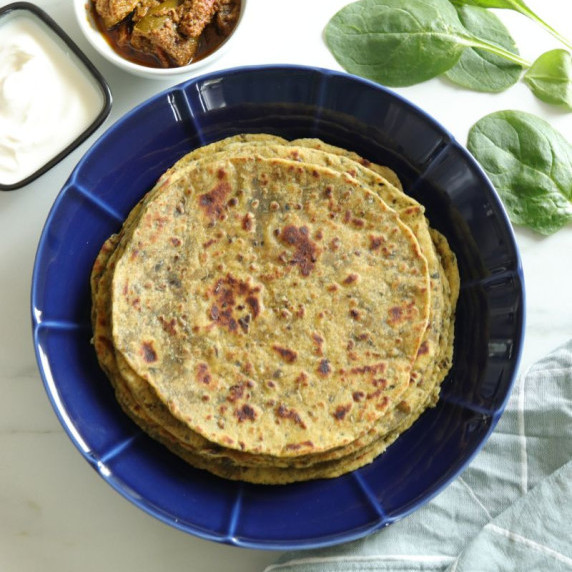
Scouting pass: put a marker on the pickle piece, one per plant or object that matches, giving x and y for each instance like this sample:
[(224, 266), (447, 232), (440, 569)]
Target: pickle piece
[(156, 33), (156, 17)]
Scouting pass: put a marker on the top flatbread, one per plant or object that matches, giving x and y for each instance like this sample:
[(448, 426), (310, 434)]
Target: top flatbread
[(241, 312)]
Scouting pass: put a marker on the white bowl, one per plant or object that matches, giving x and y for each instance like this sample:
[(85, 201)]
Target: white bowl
[(98, 41)]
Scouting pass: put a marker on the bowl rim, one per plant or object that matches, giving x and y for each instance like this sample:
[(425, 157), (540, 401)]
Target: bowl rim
[(97, 41), (99, 81)]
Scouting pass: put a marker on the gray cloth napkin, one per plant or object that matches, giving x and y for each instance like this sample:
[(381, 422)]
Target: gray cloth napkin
[(510, 510)]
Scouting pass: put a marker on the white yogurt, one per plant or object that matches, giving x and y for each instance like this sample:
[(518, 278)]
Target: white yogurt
[(46, 101)]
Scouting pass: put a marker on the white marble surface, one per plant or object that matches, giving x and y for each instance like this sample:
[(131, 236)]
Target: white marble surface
[(56, 513)]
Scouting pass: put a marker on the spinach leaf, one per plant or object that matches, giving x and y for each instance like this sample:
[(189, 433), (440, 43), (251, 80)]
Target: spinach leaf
[(550, 78), (481, 70), (400, 43), (394, 43), (517, 6), (530, 165)]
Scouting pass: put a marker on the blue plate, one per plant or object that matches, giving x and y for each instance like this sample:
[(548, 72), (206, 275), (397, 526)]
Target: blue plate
[(290, 101)]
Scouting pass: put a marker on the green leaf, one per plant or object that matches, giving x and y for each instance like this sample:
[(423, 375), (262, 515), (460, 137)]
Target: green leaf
[(396, 43), (550, 78), (517, 6), (530, 165), (482, 70), (400, 43)]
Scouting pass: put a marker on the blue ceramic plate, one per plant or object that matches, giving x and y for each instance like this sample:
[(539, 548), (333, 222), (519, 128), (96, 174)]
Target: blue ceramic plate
[(293, 102)]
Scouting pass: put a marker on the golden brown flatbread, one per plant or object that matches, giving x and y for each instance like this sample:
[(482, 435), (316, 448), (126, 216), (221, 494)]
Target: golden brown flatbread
[(268, 316)]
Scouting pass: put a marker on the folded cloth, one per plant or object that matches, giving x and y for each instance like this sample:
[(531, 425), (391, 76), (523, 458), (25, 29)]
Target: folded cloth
[(511, 509)]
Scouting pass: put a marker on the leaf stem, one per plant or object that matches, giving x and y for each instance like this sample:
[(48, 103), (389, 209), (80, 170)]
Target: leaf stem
[(526, 11), (499, 51)]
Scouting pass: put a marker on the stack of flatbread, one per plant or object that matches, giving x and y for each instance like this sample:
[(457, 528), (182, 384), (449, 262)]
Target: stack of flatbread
[(275, 311)]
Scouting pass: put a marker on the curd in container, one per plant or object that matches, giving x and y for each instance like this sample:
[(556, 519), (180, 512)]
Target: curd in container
[(47, 101)]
